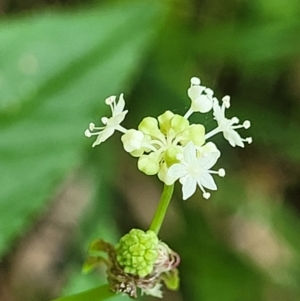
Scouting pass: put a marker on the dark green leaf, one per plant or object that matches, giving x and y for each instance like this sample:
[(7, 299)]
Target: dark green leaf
[(73, 61)]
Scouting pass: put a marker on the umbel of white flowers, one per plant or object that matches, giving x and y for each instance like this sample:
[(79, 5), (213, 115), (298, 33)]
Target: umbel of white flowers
[(170, 146)]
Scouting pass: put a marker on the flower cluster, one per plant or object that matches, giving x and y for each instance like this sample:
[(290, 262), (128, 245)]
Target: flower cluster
[(170, 146)]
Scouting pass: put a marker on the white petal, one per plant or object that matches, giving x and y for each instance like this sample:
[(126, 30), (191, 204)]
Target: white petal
[(209, 92), (195, 91), (207, 181), (202, 104), (208, 160), (210, 147), (120, 105), (234, 138), (188, 187), (177, 171), (218, 113), (104, 135), (117, 119), (189, 153)]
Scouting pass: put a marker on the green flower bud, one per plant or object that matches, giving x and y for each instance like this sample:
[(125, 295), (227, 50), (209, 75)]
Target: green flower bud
[(149, 164), (149, 126), (163, 174), (137, 252), (179, 124), (172, 124), (165, 121), (138, 152), (195, 133)]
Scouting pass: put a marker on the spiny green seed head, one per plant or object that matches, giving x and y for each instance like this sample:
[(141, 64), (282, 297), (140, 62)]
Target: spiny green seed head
[(137, 252)]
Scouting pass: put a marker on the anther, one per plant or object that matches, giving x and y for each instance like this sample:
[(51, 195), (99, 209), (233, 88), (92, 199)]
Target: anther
[(221, 172), (87, 133), (234, 120), (92, 126), (195, 81), (206, 195), (104, 120), (110, 100), (247, 124), (249, 140), (226, 101)]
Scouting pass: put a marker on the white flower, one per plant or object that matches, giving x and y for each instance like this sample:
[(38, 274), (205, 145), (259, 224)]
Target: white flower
[(201, 97), (132, 140), (228, 126), (193, 170), (110, 124)]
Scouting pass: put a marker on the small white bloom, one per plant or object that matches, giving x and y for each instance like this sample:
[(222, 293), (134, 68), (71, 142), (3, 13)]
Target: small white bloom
[(228, 126), (201, 97), (132, 140), (110, 124), (193, 171)]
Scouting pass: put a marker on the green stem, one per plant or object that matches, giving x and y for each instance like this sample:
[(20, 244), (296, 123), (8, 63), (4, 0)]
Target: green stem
[(162, 208)]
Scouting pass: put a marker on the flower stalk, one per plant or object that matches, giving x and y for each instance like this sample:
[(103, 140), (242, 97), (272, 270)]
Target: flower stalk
[(162, 208)]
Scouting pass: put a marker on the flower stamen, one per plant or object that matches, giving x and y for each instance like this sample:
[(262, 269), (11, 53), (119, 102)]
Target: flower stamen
[(110, 124)]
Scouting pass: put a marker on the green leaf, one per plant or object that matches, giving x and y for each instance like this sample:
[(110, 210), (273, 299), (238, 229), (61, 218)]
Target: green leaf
[(171, 279), (100, 293), (73, 61), (91, 263)]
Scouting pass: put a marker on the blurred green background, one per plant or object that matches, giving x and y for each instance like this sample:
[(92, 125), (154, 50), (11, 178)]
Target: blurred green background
[(59, 60)]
